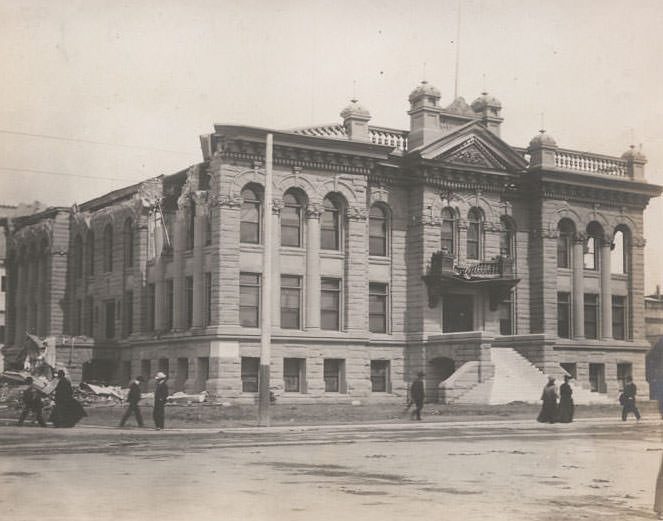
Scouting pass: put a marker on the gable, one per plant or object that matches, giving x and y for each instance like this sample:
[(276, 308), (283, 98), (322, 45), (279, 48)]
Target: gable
[(473, 146)]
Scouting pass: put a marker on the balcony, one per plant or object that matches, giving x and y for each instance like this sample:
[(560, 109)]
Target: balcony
[(444, 276)]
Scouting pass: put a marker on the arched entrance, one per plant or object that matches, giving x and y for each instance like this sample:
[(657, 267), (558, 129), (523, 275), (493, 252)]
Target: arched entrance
[(441, 368)]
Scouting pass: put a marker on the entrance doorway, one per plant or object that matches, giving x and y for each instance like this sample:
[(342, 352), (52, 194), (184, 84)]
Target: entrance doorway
[(597, 378), (440, 369), (457, 314)]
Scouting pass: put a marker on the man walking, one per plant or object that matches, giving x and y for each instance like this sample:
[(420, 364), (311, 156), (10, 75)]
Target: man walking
[(133, 398), (160, 397), (31, 403), (417, 395), (628, 395)]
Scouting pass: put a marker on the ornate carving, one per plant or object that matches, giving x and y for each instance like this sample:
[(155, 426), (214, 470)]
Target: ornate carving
[(313, 211), (229, 201), (469, 156), (580, 237), (638, 241), (277, 206), (357, 213)]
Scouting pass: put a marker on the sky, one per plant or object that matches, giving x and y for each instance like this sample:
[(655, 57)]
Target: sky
[(128, 87)]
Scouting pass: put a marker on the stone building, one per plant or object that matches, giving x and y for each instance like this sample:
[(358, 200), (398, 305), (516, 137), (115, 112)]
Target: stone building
[(439, 248)]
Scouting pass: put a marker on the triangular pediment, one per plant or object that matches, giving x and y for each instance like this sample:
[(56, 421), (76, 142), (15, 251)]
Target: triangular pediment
[(473, 146)]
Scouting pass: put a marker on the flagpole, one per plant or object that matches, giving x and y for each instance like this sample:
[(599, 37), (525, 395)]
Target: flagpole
[(266, 302)]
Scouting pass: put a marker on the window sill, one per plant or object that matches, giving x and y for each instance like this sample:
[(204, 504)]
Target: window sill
[(380, 260), (246, 247), (332, 254)]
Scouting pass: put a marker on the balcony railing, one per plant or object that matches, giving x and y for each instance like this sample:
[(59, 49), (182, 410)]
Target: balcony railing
[(590, 163), (442, 264)]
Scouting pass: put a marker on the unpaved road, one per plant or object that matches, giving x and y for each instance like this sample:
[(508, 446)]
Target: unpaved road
[(589, 470)]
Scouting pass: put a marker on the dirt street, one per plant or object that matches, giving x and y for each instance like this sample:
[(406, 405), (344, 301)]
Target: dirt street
[(515, 470)]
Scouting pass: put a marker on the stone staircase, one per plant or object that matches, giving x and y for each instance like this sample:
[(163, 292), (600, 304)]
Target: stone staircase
[(518, 380)]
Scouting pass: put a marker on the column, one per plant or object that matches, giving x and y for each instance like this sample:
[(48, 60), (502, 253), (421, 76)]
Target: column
[(141, 247), (202, 213), (356, 269), (578, 296), (276, 264), (19, 299), (225, 293), (312, 300), (179, 298), (606, 290)]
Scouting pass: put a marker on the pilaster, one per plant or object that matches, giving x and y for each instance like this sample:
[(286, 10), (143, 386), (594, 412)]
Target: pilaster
[(312, 299), (578, 297)]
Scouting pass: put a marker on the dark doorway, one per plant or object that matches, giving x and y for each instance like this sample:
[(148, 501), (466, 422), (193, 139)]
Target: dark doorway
[(440, 369), (458, 313)]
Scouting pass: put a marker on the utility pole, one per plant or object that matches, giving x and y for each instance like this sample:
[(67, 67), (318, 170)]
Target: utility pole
[(266, 302)]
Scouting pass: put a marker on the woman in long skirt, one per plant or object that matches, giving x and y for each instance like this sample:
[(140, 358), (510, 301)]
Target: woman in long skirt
[(565, 401), (68, 412), (548, 412)]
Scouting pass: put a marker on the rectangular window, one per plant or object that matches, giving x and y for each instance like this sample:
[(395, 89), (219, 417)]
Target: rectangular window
[(624, 370), (3, 288), (182, 373), (291, 289), (506, 313), (249, 299), (146, 370), (293, 375), (2, 334), (191, 226), (128, 313), (334, 375), (202, 373), (164, 365), (208, 299), (188, 296), (250, 367), (618, 317), (89, 326), (564, 315), (563, 250), (473, 231), (151, 307), (597, 378), (379, 376), (110, 318), (571, 368), (447, 236), (330, 304), (378, 296), (208, 229), (590, 257), (170, 304), (591, 315)]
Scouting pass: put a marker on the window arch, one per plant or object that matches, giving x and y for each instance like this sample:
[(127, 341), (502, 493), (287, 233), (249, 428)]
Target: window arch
[(566, 230), (620, 254), (78, 256), (507, 237), (128, 243), (474, 218), (291, 220), (330, 224), (378, 228), (251, 213), (448, 231), (592, 246), (108, 248), (89, 246)]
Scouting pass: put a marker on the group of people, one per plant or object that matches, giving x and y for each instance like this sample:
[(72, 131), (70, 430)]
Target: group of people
[(551, 412), (68, 411)]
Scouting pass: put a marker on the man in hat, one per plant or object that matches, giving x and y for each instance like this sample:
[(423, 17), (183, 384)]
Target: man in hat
[(628, 399), (133, 398), (417, 395), (160, 397), (31, 403)]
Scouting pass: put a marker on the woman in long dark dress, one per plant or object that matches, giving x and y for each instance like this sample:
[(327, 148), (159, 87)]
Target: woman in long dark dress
[(566, 401), (548, 412), (68, 412)]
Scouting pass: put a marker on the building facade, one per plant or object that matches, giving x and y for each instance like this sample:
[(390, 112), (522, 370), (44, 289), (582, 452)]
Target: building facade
[(440, 248)]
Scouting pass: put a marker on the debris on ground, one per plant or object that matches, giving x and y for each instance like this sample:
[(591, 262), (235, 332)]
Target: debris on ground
[(183, 398)]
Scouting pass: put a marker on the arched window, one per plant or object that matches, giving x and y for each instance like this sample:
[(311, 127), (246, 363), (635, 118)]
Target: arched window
[(448, 232), (592, 246), (128, 244), (249, 228), (474, 219), (330, 225), (89, 248), (507, 237), (566, 229), (377, 226), (291, 221), (619, 256), (78, 257), (108, 248)]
